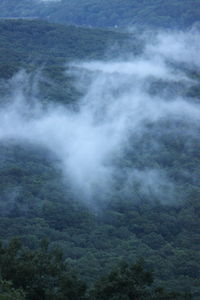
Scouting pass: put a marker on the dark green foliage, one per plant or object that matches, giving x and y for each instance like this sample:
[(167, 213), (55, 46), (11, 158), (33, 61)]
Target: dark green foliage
[(126, 282), (7, 292), (42, 274), (131, 282)]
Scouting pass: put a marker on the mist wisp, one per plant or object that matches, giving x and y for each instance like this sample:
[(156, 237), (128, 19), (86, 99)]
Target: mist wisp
[(114, 140)]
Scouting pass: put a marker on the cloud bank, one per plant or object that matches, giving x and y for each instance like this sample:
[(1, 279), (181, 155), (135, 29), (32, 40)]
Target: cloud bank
[(109, 142)]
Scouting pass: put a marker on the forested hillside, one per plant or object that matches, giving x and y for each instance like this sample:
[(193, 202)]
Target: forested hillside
[(99, 162), (157, 13), (36, 44)]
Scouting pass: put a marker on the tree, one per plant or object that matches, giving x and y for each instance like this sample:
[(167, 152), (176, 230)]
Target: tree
[(41, 273), (7, 292), (124, 283), (131, 282)]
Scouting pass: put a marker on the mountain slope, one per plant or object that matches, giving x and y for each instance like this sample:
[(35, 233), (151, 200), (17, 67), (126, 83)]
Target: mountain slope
[(33, 44), (23, 42), (157, 13), (36, 202)]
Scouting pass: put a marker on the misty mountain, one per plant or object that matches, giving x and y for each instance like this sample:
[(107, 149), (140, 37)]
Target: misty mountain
[(40, 45), (99, 151), (96, 13), (34, 43)]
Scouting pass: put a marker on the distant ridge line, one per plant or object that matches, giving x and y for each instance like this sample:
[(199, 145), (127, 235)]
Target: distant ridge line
[(18, 18)]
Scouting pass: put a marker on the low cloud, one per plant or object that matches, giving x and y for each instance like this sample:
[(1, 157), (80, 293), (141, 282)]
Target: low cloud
[(100, 145)]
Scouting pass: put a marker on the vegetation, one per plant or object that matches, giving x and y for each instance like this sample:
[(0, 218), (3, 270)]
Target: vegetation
[(42, 274), (131, 281), (7, 292), (158, 13), (34, 45), (38, 42), (35, 203)]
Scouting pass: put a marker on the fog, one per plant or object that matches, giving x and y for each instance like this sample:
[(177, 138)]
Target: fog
[(128, 105)]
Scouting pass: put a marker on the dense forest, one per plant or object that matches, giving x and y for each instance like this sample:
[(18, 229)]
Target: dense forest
[(135, 240), (40, 45), (156, 13)]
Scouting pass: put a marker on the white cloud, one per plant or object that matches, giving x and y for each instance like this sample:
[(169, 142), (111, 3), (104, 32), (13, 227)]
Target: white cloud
[(117, 102)]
